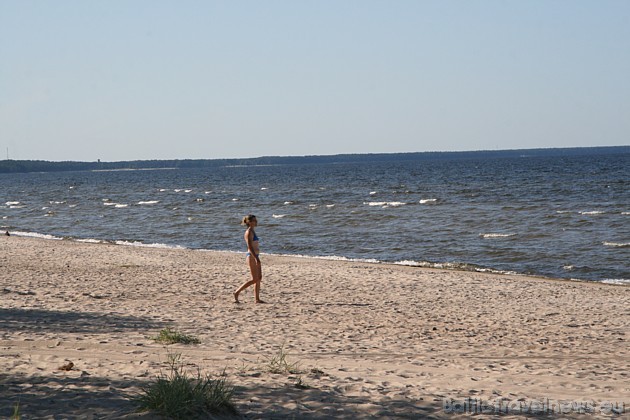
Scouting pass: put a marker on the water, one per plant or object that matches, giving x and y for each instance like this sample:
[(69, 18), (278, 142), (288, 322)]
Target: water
[(565, 217)]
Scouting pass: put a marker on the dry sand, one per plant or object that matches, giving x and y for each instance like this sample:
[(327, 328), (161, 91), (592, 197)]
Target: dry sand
[(370, 339)]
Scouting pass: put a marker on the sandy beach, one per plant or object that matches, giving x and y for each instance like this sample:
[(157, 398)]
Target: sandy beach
[(367, 340)]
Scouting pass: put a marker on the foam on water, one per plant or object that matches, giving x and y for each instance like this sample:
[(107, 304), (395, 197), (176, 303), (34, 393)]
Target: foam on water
[(619, 282), (385, 204), (617, 244), (35, 235), (151, 245), (496, 235), (148, 202)]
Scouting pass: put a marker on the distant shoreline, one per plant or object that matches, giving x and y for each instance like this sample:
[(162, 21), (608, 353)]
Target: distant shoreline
[(25, 166)]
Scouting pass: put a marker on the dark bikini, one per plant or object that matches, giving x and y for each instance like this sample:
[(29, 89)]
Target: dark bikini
[(255, 239)]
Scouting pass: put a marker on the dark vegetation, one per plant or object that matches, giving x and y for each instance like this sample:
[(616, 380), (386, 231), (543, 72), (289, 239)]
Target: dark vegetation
[(17, 166)]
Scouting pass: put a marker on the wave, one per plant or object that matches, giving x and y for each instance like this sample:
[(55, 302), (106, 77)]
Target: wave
[(496, 235), (385, 204), (591, 213), (617, 244), (428, 201), (278, 216), (454, 267), (12, 203), (620, 282), (145, 245), (148, 202), (35, 235)]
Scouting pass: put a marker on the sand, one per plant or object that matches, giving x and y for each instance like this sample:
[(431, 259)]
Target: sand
[(368, 340)]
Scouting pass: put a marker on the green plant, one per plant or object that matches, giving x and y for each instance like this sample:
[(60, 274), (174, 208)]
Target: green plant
[(279, 364), (169, 336), (16, 411), (177, 395)]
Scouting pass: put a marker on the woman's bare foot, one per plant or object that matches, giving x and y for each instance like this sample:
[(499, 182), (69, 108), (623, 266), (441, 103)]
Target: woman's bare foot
[(236, 298), (260, 301)]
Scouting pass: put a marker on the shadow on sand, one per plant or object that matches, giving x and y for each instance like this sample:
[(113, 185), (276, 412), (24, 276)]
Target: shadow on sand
[(39, 320)]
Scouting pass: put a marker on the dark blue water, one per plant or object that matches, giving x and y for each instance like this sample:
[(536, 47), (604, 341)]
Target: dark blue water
[(562, 217)]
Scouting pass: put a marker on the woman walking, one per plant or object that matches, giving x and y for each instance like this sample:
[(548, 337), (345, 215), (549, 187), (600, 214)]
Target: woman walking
[(252, 258)]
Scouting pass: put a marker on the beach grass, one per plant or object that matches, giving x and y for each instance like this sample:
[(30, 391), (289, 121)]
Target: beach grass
[(278, 363), (16, 412), (170, 336), (180, 395)]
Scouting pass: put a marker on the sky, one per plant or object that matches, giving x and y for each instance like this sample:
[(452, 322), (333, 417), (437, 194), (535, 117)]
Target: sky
[(154, 79)]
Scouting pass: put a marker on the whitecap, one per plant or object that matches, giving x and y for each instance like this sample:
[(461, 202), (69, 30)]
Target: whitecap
[(617, 244), (12, 203), (16, 207), (591, 213), (428, 200), (620, 282), (235, 199), (278, 216), (120, 206), (90, 241), (72, 205), (187, 191), (142, 244), (330, 206), (264, 188), (626, 213), (110, 204), (148, 202), (495, 235), (286, 203), (385, 203), (177, 190), (35, 235), (372, 192), (208, 192)]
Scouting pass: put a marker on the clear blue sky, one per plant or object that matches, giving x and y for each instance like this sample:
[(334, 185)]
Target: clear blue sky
[(152, 79)]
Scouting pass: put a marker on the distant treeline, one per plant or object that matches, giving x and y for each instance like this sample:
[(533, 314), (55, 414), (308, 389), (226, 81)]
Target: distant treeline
[(13, 166)]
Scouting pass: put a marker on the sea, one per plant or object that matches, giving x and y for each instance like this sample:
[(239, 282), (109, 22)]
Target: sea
[(552, 216)]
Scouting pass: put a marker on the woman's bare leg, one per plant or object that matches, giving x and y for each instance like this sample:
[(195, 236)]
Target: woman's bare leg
[(254, 269)]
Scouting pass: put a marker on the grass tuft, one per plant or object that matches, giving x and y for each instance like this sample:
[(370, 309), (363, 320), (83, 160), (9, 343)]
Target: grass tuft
[(16, 412), (177, 395), (279, 363), (169, 336)]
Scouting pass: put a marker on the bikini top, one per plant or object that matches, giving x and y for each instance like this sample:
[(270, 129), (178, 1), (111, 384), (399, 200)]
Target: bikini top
[(255, 237)]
